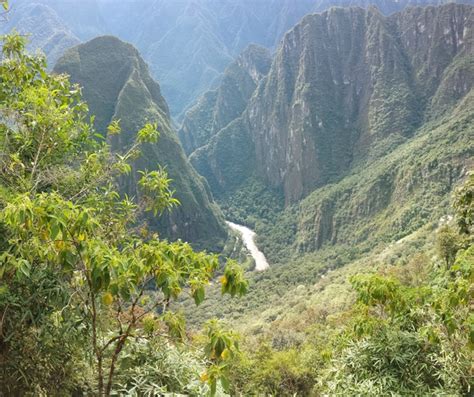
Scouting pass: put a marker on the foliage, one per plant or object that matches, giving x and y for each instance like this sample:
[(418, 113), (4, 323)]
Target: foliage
[(407, 332), (221, 348), (152, 366), (447, 244), (136, 115), (74, 271), (233, 281), (283, 373), (463, 204), (153, 182)]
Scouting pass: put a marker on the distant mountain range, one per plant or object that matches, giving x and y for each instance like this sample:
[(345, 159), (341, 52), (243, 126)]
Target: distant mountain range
[(45, 29), (187, 43)]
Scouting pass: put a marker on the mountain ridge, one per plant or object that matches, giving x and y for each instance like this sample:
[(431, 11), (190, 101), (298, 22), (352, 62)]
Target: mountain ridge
[(44, 28), (359, 116), (195, 41), (117, 86), (218, 107)]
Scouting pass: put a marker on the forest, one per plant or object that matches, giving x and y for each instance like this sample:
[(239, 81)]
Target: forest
[(119, 276)]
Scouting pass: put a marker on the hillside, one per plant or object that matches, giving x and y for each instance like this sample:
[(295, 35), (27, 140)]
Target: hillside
[(387, 176), (219, 107), (117, 86), (346, 87), (338, 256), (343, 224)]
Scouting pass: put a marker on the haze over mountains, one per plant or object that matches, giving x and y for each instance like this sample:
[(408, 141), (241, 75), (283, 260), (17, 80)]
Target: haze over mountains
[(323, 156), (345, 86), (344, 89), (187, 43), (45, 29)]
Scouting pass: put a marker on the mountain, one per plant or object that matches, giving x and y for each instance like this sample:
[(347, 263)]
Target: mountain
[(44, 28), (117, 86), (197, 39), (189, 43), (350, 97), (216, 108)]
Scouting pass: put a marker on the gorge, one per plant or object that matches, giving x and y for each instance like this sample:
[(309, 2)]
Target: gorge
[(237, 198)]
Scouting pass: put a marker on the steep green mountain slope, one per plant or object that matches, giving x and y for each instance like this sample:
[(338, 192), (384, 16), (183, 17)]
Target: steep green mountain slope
[(219, 107), (346, 87), (188, 43), (382, 213), (117, 86), (45, 30)]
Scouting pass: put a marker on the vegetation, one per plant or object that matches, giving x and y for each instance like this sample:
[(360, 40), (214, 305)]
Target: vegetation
[(217, 108), (117, 85), (85, 289), (370, 290), (407, 332)]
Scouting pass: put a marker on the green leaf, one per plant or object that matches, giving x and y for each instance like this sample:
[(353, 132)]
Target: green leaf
[(225, 383), (54, 230), (24, 267), (148, 133), (114, 128), (198, 295), (213, 387)]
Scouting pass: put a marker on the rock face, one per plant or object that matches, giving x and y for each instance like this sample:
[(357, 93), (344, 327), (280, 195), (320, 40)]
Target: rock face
[(188, 43), (117, 85), (396, 194), (217, 108), (345, 88)]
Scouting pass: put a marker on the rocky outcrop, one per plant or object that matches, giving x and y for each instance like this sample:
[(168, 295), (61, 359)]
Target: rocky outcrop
[(345, 88), (380, 204), (117, 86)]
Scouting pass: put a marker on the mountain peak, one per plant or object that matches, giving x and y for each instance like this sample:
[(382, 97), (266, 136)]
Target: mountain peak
[(216, 108), (110, 40), (346, 87), (117, 86)]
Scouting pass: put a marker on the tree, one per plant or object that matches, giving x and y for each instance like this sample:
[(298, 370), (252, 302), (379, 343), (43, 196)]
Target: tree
[(447, 244), (412, 338), (464, 206), (62, 214)]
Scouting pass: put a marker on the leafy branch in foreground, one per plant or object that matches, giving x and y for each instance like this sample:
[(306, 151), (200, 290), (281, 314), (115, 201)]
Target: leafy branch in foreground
[(62, 215)]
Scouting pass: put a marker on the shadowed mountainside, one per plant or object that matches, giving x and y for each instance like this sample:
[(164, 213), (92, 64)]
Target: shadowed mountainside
[(117, 86)]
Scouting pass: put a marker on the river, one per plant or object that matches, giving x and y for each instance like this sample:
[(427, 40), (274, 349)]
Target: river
[(248, 237)]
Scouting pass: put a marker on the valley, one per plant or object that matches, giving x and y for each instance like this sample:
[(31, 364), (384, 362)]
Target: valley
[(237, 198)]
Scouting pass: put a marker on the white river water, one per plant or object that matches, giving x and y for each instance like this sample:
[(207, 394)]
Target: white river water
[(248, 237)]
